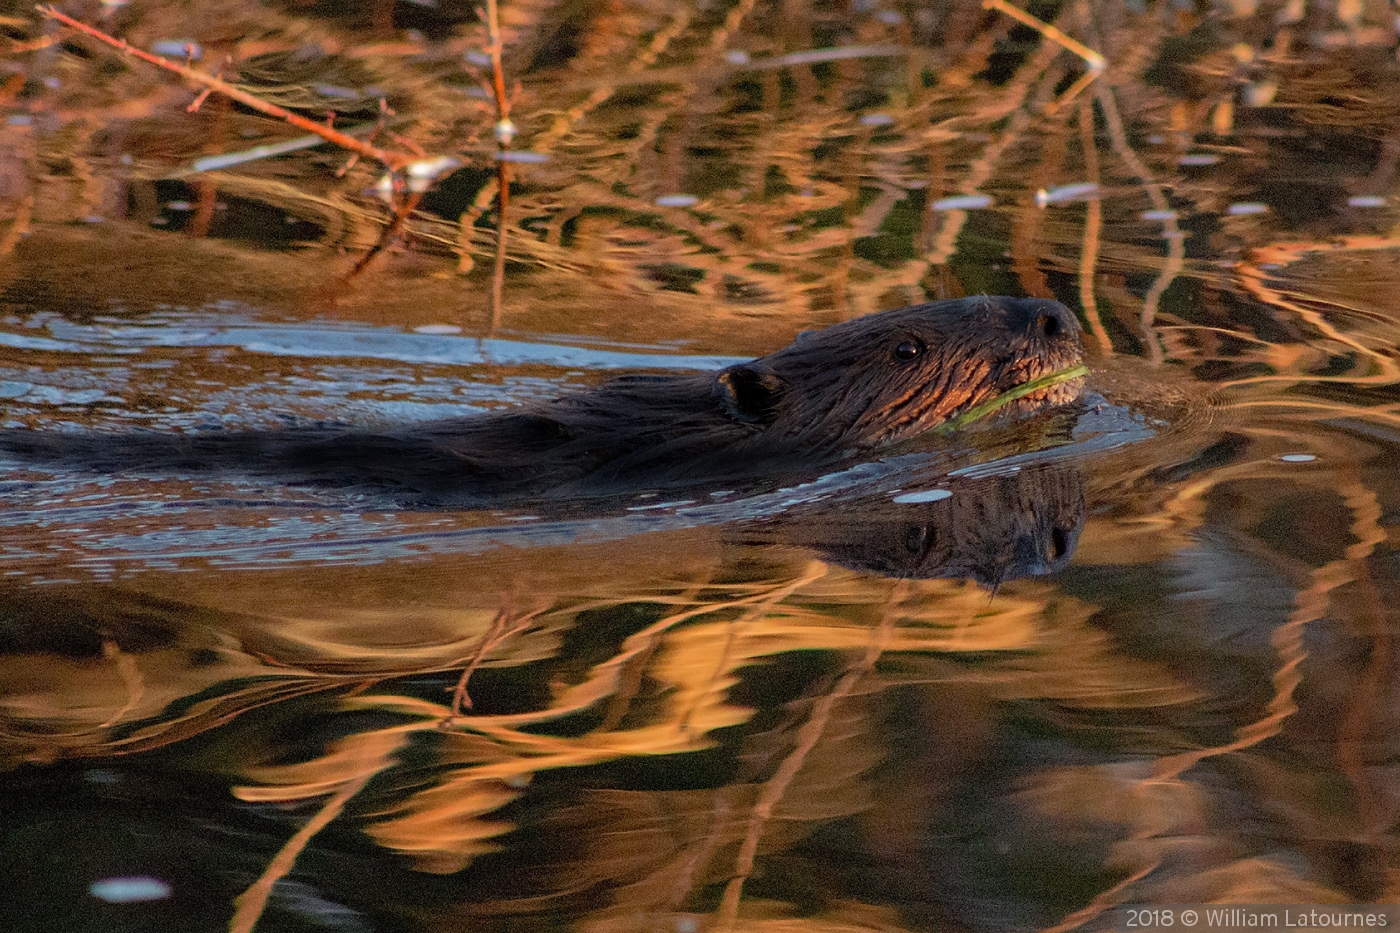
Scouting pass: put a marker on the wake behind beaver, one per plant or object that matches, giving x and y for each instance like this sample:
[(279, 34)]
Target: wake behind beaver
[(831, 395)]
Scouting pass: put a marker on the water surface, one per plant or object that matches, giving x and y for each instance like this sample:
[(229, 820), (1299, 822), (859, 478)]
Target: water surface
[(1138, 652)]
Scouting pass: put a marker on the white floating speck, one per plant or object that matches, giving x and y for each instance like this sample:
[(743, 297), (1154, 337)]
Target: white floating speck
[(1158, 215), (927, 495), (962, 202), (660, 505), (130, 889), (737, 57), (178, 48), (1259, 93), (890, 17), (424, 172), (473, 57), (515, 155), (179, 206), (1244, 208), (1297, 458), (384, 188), (838, 54), (19, 119), (437, 329), (1062, 193), (228, 159), (677, 200), (1198, 158), (1156, 140), (876, 119), (1365, 200)]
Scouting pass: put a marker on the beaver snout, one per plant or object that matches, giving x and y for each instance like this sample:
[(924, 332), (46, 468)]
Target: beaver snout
[(1041, 317)]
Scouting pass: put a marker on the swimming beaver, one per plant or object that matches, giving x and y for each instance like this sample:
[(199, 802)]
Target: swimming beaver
[(832, 393)]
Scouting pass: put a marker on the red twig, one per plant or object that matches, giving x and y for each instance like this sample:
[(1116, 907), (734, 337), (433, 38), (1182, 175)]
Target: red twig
[(393, 160), (204, 94), (497, 72), (505, 132), (389, 234)]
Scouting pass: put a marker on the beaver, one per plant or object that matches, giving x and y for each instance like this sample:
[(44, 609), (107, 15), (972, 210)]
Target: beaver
[(832, 394)]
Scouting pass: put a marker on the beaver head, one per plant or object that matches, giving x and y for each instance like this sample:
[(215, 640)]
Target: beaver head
[(890, 376)]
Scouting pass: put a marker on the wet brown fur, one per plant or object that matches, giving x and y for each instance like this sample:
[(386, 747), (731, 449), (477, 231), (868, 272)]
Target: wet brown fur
[(849, 388)]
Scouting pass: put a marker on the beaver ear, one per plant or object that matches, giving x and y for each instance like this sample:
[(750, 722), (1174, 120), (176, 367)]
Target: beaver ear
[(750, 393)]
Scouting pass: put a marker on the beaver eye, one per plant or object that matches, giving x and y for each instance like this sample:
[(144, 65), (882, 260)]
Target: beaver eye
[(908, 351)]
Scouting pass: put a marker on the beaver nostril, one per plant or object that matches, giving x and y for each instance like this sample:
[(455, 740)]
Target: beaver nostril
[(1041, 319)]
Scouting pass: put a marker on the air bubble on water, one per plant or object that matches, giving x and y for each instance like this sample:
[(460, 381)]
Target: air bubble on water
[(962, 202), (130, 889), (923, 495)]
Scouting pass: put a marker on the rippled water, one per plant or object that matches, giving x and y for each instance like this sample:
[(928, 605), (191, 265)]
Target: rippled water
[(1136, 652)]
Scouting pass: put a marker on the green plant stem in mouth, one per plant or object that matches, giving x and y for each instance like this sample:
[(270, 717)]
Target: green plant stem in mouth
[(977, 412)]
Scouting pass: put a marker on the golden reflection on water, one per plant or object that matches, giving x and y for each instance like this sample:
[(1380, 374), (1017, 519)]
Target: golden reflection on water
[(812, 717)]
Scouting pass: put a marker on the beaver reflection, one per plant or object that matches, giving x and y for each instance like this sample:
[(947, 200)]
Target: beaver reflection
[(831, 395), (989, 529)]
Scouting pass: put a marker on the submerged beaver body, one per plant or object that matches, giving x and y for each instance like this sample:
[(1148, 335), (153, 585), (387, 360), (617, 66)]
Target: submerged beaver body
[(834, 393)]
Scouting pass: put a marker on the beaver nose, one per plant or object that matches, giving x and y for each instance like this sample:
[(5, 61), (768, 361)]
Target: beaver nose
[(1041, 317)]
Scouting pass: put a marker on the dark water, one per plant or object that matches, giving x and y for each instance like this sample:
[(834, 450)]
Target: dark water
[(1141, 652)]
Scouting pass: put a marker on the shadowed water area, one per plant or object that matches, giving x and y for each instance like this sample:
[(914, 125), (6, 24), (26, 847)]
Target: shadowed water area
[(1137, 649)]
